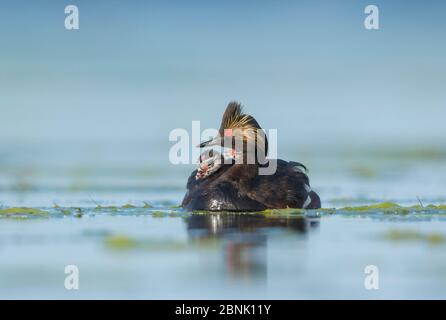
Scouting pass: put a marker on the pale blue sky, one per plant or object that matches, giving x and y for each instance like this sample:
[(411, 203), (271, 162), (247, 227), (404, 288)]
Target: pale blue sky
[(136, 70)]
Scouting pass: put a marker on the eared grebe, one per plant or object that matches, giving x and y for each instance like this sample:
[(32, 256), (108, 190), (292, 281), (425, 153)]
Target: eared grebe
[(228, 181)]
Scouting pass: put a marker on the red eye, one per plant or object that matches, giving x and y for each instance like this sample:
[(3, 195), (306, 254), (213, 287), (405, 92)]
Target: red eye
[(228, 132)]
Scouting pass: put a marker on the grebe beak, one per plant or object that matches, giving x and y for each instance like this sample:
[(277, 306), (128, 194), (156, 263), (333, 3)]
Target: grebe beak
[(217, 141)]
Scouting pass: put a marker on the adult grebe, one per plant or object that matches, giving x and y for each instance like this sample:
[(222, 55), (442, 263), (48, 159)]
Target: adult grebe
[(236, 185)]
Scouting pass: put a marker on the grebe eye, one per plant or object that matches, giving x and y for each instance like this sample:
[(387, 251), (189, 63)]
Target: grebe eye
[(228, 133)]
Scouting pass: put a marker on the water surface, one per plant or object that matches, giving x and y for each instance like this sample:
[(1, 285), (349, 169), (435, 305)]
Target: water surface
[(117, 219)]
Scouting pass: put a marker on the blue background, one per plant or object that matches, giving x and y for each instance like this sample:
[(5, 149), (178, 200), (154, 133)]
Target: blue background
[(136, 70)]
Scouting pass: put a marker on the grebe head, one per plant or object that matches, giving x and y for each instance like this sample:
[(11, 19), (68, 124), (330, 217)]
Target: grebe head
[(240, 132)]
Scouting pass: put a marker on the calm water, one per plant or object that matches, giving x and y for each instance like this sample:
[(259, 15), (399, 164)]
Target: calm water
[(112, 211), (86, 117)]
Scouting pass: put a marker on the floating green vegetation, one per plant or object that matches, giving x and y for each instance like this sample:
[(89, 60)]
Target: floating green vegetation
[(378, 208), (75, 212), (383, 207), (20, 212), (78, 212), (106, 208), (439, 207), (147, 205), (267, 212), (122, 242), (167, 213), (116, 208), (283, 212), (393, 208), (62, 210), (141, 209), (159, 214), (412, 235)]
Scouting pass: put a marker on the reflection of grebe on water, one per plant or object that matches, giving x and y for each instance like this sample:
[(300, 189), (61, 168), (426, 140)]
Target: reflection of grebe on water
[(244, 237)]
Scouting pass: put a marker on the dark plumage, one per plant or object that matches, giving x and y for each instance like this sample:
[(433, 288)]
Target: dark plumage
[(239, 187)]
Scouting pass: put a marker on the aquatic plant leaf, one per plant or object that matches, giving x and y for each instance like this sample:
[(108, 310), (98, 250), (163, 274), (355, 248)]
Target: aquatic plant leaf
[(22, 211), (147, 205), (120, 242), (413, 235)]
